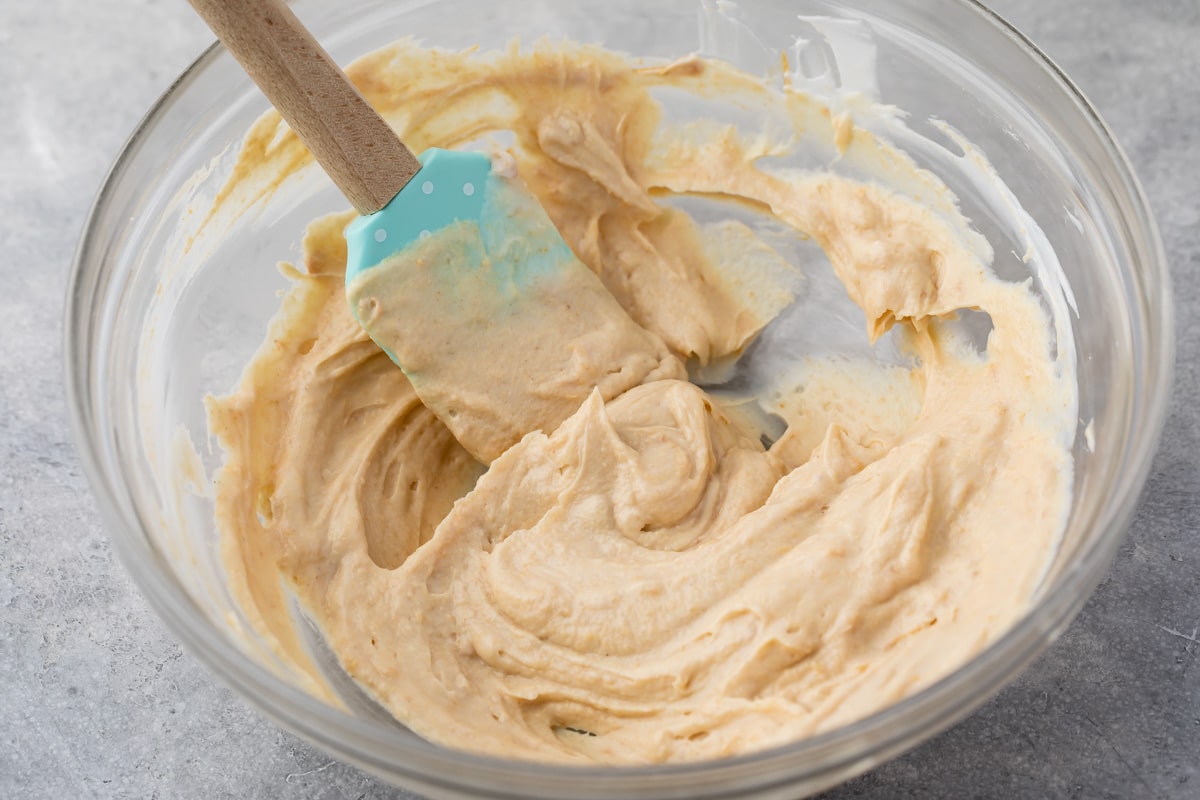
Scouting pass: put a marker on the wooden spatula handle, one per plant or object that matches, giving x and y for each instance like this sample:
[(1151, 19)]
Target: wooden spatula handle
[(358, 150)]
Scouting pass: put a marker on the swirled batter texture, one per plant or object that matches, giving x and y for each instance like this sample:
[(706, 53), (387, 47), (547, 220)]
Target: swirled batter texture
[(647, 581)]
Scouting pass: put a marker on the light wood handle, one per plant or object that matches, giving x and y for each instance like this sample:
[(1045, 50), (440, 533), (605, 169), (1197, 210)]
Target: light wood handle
[(363, 156)]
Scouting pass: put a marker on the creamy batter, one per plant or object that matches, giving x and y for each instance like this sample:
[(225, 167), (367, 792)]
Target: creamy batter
[(646, 581)]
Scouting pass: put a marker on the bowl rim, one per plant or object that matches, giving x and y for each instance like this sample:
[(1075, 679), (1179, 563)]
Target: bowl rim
[(839, 753)]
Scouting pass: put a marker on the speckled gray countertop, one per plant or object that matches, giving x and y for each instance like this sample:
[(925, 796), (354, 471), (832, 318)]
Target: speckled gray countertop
[(97, 700)]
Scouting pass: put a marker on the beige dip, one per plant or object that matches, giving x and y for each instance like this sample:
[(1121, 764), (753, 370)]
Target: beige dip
[(645, 582)]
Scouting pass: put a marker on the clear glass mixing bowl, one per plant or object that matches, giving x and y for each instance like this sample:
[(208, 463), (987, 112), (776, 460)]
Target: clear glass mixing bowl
[(160, 314)]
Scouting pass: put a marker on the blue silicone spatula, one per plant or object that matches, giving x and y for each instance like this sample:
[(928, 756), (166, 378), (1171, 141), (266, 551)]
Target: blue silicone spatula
[(512, 266)]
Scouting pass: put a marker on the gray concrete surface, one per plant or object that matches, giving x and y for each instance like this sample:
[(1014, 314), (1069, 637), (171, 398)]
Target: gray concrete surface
[(97, 700)]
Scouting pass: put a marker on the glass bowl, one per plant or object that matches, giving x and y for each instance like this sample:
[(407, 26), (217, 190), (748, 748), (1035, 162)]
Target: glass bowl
[(163, 309)]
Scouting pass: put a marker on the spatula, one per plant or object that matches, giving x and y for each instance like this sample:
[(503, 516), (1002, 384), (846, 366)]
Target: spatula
[(453, 267)]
